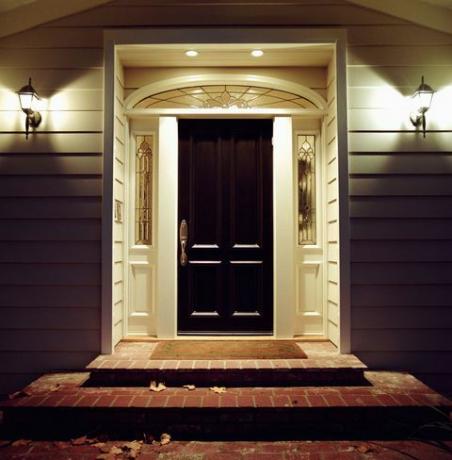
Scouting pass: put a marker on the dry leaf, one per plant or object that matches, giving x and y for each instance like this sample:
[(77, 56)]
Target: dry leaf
[(4, 443), (99, 445), (157, 386), (218, 390), (363, 449), (21, 442), (189, 387), (105, 449), (80, 441), (115, 450), (19, 394), (165, 438)]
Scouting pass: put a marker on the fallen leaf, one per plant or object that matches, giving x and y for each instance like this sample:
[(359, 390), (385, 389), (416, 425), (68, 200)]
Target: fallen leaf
[(19, 394), (115, 450), (4, 443), (189, 387), (165, 438), (218, 390), (132, 449), (154, 386), (21, 442), (80, 441), (364, 449), (105, 449), (99, 445)]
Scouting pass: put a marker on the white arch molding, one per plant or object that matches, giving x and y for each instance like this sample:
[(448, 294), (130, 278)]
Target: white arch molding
[(222, 79)]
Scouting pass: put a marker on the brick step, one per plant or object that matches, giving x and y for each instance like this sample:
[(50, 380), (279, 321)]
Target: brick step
[(130, 364), (264, 376), (393, 405)]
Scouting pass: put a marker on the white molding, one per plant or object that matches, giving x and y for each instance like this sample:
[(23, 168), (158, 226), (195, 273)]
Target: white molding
[(224, 79), (226, 113), (283, 229), (299, 35)]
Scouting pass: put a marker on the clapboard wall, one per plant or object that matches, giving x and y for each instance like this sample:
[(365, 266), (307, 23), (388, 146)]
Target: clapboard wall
[(50, 205), (50, 187)]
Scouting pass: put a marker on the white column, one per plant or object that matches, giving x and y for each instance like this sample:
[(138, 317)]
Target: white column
[(167, 228), (284, 228)]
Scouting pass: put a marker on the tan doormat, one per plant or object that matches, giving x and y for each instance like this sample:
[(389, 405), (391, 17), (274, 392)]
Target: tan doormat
[(225, 349)]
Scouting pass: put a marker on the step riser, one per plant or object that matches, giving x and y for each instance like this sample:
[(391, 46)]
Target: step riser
[(230, 377), (224, 423)]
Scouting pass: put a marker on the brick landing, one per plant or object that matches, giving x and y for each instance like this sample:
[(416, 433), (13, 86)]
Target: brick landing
[(393, 404), (130, 364)]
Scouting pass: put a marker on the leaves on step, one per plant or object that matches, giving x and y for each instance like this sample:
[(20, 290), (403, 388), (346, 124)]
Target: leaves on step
[(4, 443), (165, 439), (154, 386), (83, 441), (190, 387), (128, 451), (21, 442), (218, 390), (19, 394), (364, 449)]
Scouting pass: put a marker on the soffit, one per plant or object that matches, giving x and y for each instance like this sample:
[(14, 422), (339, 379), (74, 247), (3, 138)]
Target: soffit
[(434, 14), (275, 55)]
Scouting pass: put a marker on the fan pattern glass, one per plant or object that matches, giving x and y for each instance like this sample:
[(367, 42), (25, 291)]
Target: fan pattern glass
[(225, 97)]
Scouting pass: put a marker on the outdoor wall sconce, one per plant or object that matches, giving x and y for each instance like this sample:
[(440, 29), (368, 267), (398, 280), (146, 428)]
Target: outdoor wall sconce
[(422, 99), (27, 97)]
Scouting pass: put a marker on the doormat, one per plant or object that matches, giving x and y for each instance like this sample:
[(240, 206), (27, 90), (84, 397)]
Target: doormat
[(225, 349)]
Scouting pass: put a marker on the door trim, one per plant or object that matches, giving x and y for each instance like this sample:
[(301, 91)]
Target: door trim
[(298, 35)]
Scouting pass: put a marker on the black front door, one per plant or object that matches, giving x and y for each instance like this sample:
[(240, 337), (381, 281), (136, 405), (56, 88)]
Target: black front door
[(225, 273)]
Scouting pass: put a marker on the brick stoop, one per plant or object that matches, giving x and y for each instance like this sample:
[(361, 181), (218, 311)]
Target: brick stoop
[(130, 364), (392, 405)]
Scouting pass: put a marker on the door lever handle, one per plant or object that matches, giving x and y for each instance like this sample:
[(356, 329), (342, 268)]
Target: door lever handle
[(183, 239)]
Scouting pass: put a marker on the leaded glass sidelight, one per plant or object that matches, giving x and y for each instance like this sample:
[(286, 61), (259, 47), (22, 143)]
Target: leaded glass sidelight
[(306, 189), (143, 190)]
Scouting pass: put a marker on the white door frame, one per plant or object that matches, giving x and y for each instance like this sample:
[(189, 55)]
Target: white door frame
[(217, 35)]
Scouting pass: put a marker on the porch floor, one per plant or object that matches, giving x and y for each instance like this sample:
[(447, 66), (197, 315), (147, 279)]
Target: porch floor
[(136, 355)]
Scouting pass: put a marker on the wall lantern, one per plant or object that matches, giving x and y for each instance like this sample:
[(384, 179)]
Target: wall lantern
[(27, 97), (422, 100)]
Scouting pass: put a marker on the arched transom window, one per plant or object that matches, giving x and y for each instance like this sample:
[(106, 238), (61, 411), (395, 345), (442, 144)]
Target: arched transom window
[(225, 96)]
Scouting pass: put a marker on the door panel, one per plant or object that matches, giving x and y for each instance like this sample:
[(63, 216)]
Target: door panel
[(225, 195)]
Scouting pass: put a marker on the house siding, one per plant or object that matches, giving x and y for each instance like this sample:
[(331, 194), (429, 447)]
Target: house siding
[(50, 189)]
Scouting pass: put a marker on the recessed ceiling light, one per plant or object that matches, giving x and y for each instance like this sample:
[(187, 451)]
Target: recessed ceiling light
[(257, 53), (191, 53)]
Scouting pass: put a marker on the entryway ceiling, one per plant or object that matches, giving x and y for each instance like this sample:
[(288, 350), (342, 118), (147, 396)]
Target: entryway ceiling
[(275, 55)]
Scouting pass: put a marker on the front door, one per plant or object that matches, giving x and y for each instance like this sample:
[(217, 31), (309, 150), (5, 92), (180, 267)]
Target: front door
[(225, 257)]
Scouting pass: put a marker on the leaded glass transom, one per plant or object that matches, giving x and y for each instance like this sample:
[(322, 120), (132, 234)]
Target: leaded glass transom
[(306, 189), (226, 97), (143, 187)]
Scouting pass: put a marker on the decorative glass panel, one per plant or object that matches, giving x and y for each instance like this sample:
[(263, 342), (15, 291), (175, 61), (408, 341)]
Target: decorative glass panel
[(306, 189), (225, 97), (143, 187)]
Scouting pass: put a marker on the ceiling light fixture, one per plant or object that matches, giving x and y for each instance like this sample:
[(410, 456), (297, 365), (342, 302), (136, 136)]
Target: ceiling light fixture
[(191, 53), (257, 53)]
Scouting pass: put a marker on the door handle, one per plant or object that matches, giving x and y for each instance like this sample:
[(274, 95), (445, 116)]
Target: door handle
[(183, 239)]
